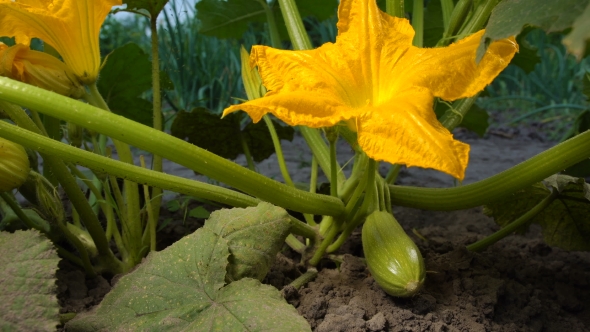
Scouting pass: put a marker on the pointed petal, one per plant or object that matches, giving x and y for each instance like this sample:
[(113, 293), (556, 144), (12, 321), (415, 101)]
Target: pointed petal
[(406, 131), (325, 71), (297, 108), (71, 26), (363, 30), (450, 72)]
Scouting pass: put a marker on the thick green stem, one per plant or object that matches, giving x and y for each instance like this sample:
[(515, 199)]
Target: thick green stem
[(418, 23), (275, 39), (479, 18), (447, 11), (123, 170), (157, 110), (395, 8), (295, 28), (513, 226), (317, 256), (66, 179), (518, 177), (295, 244), (456, 20), (169, 147), (276, 141), (454, 116)]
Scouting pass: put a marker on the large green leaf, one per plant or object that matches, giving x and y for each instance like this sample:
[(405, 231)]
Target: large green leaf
[(565, 221), (511, 16), (27, 282), (254, 235), (230, 19), (126, 74), (433, 23), (182, 289), (222, 136), (154, 7), (527, 56)]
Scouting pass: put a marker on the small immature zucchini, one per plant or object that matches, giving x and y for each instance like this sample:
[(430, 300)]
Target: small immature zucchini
[(392, 257)]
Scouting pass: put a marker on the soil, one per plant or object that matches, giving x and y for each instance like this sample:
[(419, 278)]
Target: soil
[(518, 284)]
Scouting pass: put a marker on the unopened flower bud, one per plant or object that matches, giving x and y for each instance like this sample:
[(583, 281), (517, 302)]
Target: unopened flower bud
[(14, 165), (39, 69)]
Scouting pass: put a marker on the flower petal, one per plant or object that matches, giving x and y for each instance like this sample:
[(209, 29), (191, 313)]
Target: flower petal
[(363, 30), (450, 72), (406, 131), (71, 26), (40, 69), (297, 108)]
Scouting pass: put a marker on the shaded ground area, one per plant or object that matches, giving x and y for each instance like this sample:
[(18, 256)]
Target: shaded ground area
[(519, 284)]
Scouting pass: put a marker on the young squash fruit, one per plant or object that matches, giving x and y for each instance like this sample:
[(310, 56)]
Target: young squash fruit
[(14, 165), (392, 257)]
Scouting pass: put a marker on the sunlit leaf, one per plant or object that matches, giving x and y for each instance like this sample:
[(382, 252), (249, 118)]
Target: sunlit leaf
[(27, 282), (254, 235), (511, 16), (182, 288)]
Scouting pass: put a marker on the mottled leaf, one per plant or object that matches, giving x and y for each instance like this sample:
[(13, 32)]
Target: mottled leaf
[(154, 7), (511, 16), (577, 40), (512, 206), (565, 220), (255, 235), (182, 289), (222, 136), (27, 282)]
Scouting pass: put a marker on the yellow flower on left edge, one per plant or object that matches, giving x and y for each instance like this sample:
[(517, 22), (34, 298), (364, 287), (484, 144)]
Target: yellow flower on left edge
[(70, 26)]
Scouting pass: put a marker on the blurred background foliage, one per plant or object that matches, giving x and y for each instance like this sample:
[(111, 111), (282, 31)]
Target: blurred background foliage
[(544, 86)]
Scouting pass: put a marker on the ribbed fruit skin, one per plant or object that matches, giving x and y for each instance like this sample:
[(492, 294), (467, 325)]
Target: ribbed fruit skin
[(14, 165), (392, 257)]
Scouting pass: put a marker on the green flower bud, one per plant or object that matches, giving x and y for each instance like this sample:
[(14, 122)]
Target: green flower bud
[(14, 165)]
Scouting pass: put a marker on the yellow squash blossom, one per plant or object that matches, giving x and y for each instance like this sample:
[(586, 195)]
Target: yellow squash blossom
[(374, 79), (70, 26), (40, 69)]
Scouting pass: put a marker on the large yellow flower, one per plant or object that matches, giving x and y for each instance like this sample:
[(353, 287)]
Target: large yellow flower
[(40, 69), (373, 78), (70, 26)]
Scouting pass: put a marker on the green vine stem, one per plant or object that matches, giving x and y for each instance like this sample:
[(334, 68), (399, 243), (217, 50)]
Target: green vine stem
[(276, 141), (67, 181), (123, 170), (458, 16), (45, 229), (479, 18), (513, 226), (169, 147), (447, 10), (157, 109), (305, 278), (493, 188), (133, 230), (395, 8), (418, 23)]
